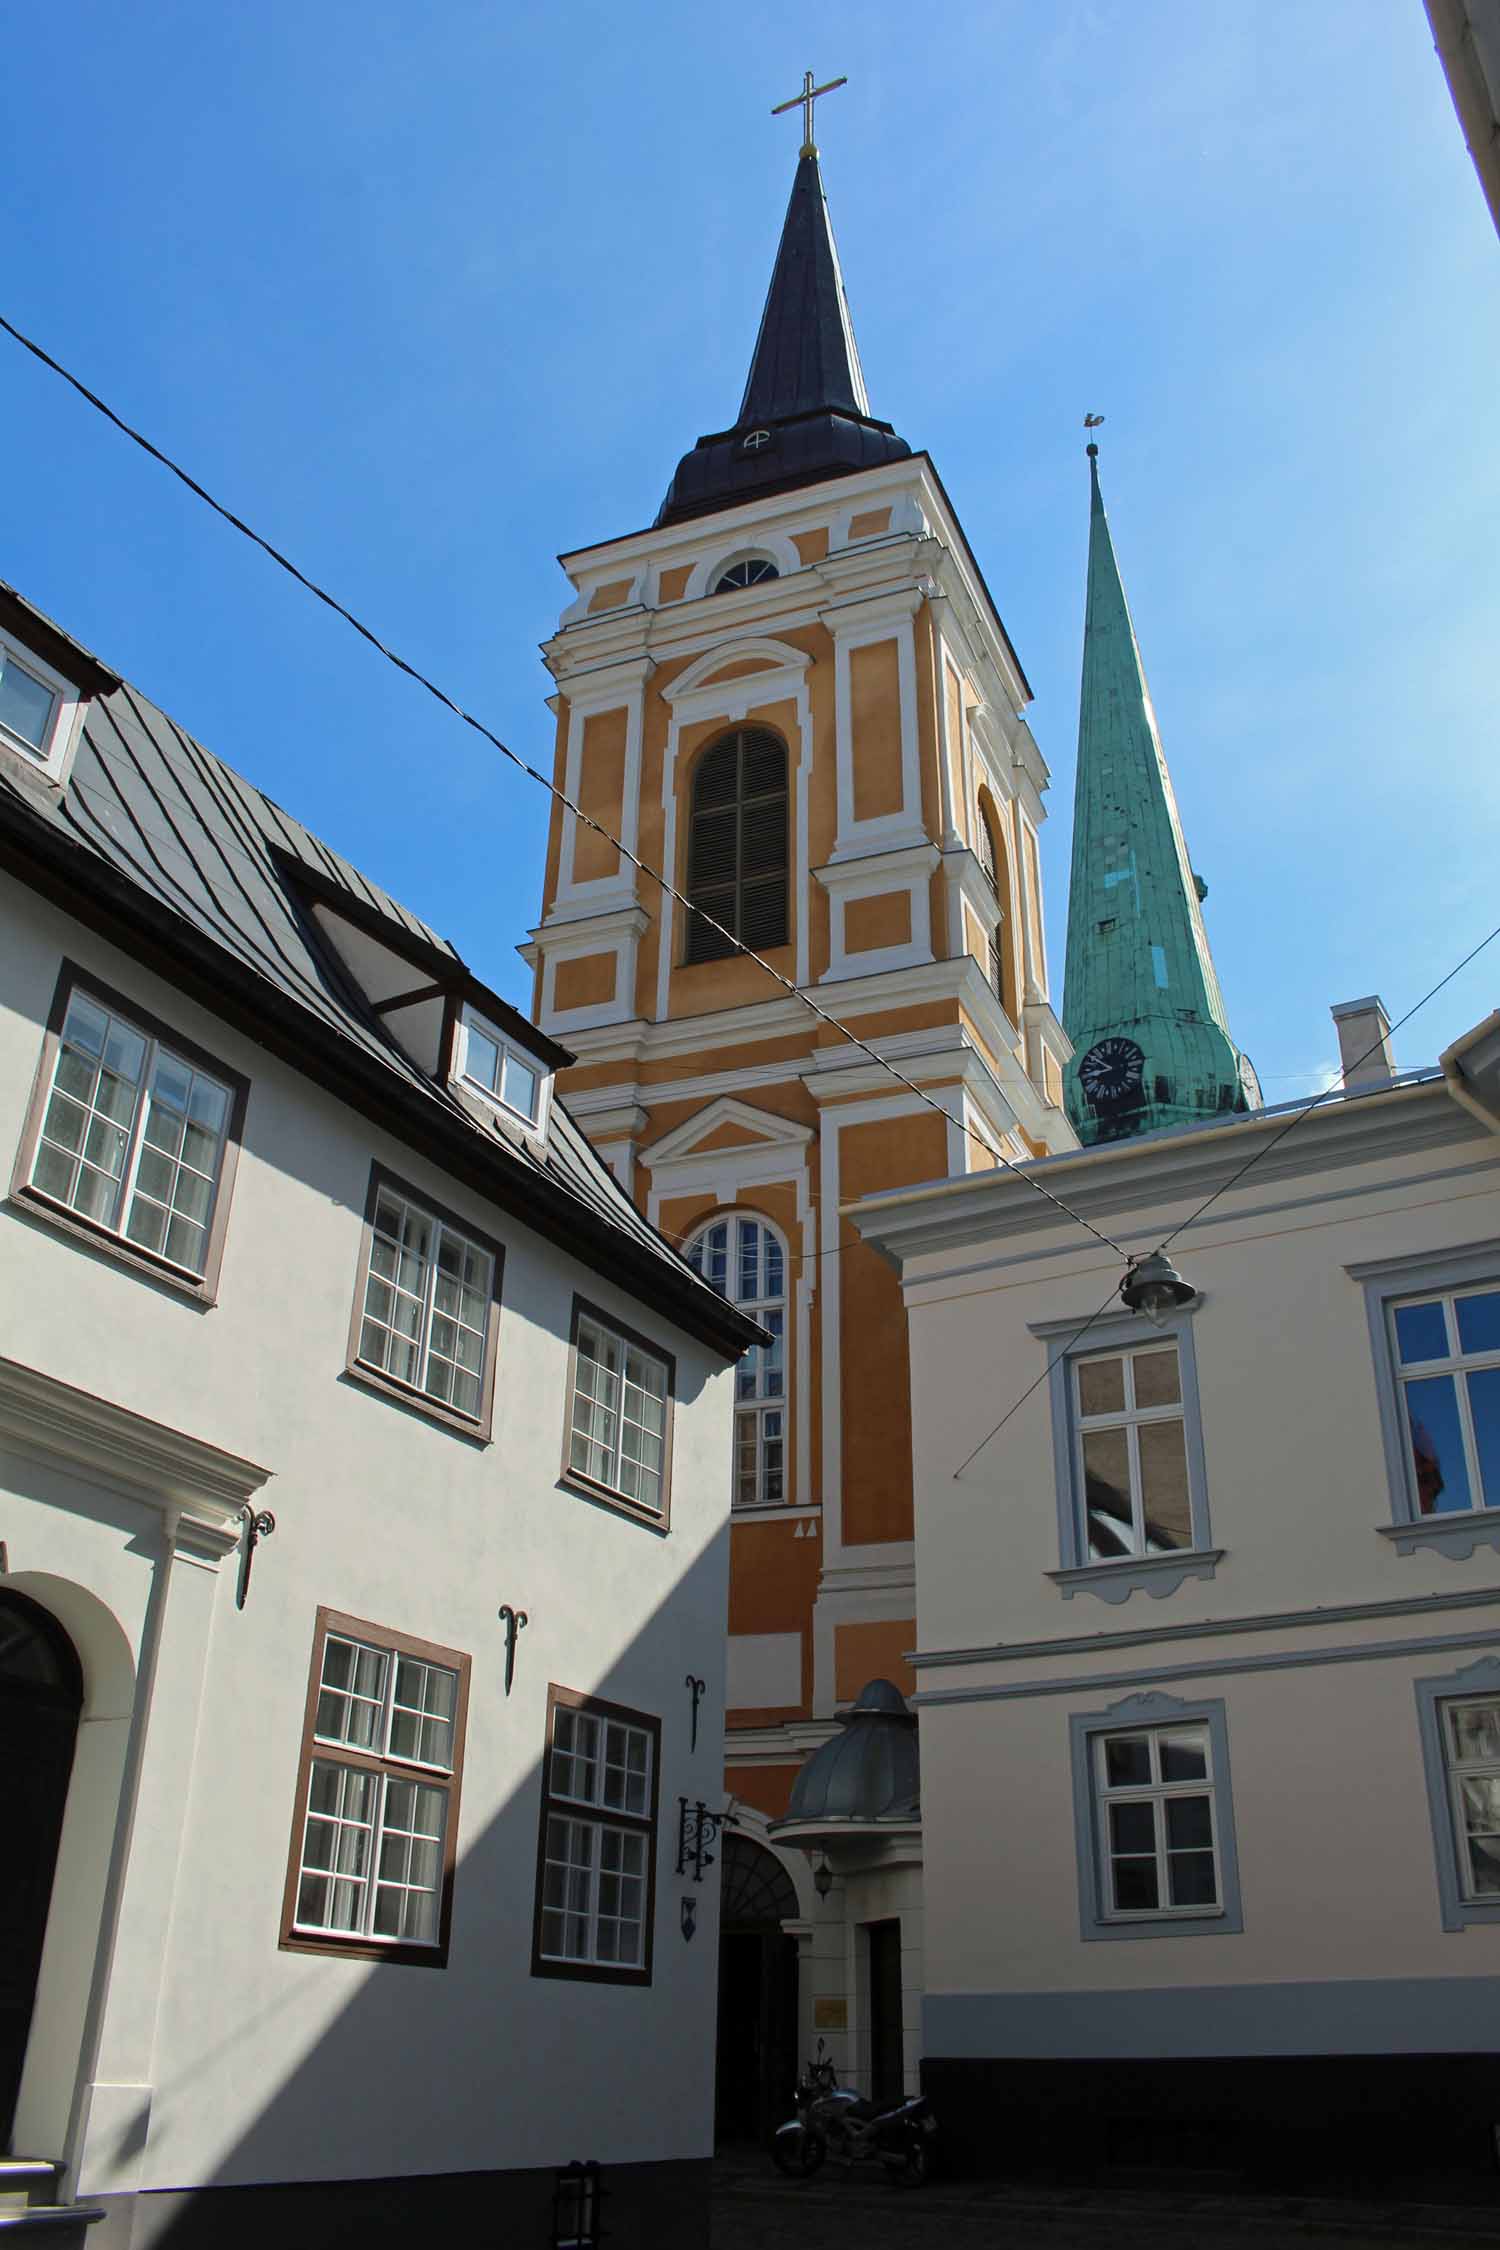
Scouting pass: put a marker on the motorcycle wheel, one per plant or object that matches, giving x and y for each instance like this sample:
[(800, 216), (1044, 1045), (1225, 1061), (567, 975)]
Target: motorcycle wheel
[(799, 2155), (915, 2167)]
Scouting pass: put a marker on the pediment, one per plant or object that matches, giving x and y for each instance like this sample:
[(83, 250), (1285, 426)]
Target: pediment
[(724, 1124), (734, 661)]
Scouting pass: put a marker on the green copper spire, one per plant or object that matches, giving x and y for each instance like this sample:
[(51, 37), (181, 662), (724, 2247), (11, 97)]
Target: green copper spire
[(1142, 1006)]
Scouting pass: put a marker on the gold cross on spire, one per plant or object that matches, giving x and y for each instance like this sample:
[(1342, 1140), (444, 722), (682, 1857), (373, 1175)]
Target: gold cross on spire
[(806, 98)]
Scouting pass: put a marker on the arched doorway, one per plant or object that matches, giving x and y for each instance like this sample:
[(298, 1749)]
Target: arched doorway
[(757, 2054), (41, 1694)]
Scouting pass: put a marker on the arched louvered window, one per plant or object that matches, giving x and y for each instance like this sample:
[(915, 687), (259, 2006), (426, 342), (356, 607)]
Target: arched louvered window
[(737, 844), (994, 966), (744, 1260)]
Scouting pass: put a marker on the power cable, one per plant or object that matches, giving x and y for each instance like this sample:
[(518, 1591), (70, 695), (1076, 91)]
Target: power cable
[(1061, 1353), (283, 562), (1339, 1087)]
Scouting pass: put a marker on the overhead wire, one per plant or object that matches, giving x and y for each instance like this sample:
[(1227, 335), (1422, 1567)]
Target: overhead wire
[(421, 679), (1338, 1087)]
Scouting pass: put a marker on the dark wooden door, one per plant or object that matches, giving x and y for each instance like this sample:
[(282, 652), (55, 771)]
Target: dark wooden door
[(887, 2072), (41, 1691)]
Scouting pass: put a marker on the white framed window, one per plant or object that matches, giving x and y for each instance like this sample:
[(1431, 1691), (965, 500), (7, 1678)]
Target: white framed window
[(1132, 1451), (746, 570), (619, 1428), (496, 1066), (1446, 1352), (131, 1129), (598, 1842), (374, 1835), (745, 1260), (426, 1303), (38, 708), (1155, 1830)]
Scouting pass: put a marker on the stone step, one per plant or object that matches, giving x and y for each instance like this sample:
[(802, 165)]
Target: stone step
[(28, 2179), (65, 2225)]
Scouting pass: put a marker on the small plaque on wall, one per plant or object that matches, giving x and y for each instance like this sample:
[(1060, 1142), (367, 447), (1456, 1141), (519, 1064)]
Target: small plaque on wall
[(830, 2013)]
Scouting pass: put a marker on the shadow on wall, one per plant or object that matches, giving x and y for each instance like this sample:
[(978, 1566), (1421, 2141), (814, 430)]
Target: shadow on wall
[(503, 2075)]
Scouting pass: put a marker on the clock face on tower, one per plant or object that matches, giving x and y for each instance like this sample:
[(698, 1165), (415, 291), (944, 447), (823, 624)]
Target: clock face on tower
[(1111, 1074)]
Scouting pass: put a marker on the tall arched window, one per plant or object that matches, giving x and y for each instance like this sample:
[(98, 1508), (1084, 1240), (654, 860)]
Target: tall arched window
[(992, 859), (744, 1260), (737, 844)]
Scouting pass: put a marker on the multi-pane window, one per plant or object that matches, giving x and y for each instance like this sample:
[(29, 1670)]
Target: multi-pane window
[(1131, 1441), (377, 1805), (132, 1136), (994, 962), (498, 1068), (598, 1841), (1447, 1351), (428, 1303), (743, 1259), (1471, 1752), (618, 1412), (1154, 1803), (737, 844)]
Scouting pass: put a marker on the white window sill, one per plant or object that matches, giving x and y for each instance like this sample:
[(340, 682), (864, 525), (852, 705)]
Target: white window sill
[(1156, 1575), (1455, 1535)]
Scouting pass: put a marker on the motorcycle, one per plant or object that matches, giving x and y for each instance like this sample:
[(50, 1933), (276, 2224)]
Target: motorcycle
[(833, 2121)]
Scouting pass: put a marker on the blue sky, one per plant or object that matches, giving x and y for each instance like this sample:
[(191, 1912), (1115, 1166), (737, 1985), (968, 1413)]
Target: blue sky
[(432, 294)]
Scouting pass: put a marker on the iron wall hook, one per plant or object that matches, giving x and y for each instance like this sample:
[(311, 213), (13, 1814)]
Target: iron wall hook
[(515, 1621), (259, 1524), (697, 1689)]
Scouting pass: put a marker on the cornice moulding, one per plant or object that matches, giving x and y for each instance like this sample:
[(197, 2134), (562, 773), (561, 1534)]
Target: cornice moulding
[(126, 1452)]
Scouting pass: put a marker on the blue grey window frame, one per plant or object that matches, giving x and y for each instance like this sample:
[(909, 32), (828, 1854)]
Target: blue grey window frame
[(1475, 1681), (1130, 1714), (1385, 1282), (1157, 1575)]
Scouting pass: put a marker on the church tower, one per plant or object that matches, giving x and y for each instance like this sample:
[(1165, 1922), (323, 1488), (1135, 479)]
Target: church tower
[(794, 695), (1142, 1006)]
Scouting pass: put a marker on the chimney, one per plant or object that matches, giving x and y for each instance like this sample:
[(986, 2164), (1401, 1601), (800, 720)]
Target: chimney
[(1364, 1043)]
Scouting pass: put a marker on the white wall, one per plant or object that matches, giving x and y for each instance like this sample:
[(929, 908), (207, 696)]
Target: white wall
[(245, 2062)]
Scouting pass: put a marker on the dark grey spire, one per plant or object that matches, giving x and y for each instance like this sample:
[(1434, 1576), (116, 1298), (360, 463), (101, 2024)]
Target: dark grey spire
[(805, 414)]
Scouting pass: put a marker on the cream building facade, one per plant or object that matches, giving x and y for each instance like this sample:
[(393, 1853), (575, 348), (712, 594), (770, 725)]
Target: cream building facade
[(795, 696), (361, 1507), (1208, 1637)]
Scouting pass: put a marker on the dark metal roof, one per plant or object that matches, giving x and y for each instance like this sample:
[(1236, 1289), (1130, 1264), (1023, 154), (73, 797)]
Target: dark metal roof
[(868, 1772), (189, 866), (805, 414)]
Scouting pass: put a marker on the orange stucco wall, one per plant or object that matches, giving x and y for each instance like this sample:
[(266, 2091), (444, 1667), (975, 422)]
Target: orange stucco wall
[(882, 920), (812, 546), (601, 784), (609, 597), (672, 584), (875, 717), (862, 1653), (875, 1389), (870, 524), (586, 982), (767, 1788)]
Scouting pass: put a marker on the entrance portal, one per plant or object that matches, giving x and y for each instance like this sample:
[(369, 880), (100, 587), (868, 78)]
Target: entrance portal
[(41, 1694), (757, 2058)]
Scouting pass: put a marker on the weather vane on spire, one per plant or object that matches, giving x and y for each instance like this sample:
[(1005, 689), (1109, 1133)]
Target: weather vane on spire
[(1091, 423), (806, 98)]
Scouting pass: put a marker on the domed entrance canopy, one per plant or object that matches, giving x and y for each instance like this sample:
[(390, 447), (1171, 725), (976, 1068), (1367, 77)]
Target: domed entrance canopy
[(867, 1776)]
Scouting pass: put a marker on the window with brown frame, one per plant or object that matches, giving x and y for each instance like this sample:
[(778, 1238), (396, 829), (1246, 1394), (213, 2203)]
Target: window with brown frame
[(375, 1830), (426, 1319), (617, 1445), (596, 1851), (132, 1135)]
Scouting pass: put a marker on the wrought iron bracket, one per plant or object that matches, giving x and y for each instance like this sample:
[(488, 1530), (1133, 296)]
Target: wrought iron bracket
[(689, 1916), (697, 1828), (514, 1621), (259, 1524), (697, 1689)]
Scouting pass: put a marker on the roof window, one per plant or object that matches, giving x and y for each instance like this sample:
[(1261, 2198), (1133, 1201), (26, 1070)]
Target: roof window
[(750, 570), (495, 1066), (37, 708)]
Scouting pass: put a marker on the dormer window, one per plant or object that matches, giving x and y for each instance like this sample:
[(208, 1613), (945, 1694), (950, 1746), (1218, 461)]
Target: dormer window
[(492, 1063), (36, 708), (751, 570)]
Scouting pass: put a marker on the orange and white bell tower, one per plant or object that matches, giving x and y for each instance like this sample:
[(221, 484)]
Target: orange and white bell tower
[(795, 696)]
